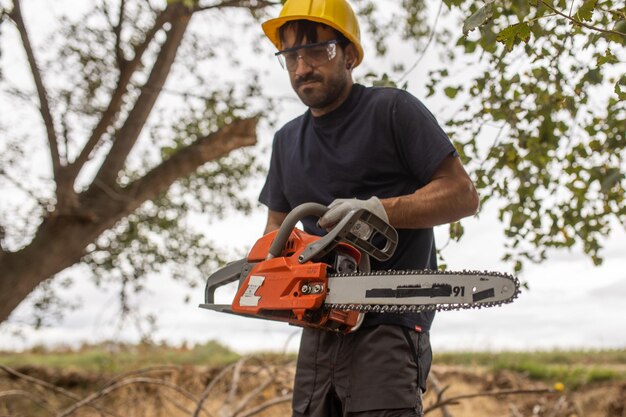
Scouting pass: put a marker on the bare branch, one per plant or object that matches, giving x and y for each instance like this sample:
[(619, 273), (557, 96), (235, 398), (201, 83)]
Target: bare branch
[(454, 400), (240, 408), (439, 390), (176, 404), (269, 403), (65, 128), (239, 3), (20, 393), (44, 106), (52, 387), (106, 391), (430, 39), (183, 163), (151, 369), (251, 395), (129, 132), (127, 70), (210, 386), (232, 394), (118, 35)]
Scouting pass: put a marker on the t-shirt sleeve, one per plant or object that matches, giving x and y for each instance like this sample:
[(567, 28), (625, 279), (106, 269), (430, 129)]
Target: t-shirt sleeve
[(272, 194), (422, 142)]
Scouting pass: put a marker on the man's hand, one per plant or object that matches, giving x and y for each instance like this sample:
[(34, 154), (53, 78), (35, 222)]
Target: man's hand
[(338, 209)]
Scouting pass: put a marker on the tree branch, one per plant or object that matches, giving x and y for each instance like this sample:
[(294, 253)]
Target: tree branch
[(151, 369), (430, 39), (454, 400), (129, 132), (583, 24), (260, 4), (243, 403), (439, 390), (267, 404), (118, 36), (106, 391), (20, 393), (127, 69), (240, 133), (234, 385), (49, 386), (209, 387), (176, 404), (44, 107)]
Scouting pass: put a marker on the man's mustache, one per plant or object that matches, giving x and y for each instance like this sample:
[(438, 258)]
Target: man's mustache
[(307, 78)]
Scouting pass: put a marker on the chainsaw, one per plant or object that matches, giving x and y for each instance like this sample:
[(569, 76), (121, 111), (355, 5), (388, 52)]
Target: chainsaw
[(327, 283)]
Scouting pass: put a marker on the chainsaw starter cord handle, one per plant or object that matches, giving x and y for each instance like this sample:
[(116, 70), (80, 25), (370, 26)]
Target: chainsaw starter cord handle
[(294, 216)]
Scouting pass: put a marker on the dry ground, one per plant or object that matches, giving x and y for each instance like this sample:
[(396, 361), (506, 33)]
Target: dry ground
[(245, 388)]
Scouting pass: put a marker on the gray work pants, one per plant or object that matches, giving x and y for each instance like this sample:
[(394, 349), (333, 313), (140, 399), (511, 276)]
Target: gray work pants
[(375, 371)]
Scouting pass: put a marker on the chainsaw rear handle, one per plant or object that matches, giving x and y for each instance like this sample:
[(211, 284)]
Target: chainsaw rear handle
[(233, 271), (360, 228)]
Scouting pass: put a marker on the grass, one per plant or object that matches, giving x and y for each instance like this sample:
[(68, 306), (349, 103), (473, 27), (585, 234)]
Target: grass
[(114, 358), (572, 368)]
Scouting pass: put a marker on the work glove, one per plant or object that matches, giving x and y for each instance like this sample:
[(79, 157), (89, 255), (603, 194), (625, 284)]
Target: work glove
[(338, 209)]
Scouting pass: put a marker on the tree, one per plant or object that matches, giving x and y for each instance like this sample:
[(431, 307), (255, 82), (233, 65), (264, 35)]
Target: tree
[(554, 85), (95, 98), (539, 89)]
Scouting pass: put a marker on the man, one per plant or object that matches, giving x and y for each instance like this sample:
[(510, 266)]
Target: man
[(376, 148)]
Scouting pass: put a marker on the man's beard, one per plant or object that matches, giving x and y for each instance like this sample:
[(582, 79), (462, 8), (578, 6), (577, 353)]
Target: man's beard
[(322, 95)]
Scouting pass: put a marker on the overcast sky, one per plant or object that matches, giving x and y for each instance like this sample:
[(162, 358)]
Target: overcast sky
[(571, 303)]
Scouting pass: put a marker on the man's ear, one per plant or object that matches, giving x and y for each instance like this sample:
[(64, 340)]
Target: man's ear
[(351, 55)]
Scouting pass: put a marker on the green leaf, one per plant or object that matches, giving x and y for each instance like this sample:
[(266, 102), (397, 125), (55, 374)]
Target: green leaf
[(618, 90), (451, 3), (611, 177), (452, 91), (509, 35), (593, 76), (478, 18), (607, 58), (456, 231), (488, 37), (470, 46), (585, 13)]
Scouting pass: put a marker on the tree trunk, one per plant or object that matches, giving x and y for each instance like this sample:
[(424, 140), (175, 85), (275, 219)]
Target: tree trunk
[(59, 243), (61, 240)]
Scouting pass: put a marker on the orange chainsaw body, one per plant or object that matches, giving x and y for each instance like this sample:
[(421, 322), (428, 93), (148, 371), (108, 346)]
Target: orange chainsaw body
[(284, 289)]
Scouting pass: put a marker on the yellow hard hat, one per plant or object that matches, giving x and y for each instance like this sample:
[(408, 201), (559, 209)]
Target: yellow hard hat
[(334, 13)]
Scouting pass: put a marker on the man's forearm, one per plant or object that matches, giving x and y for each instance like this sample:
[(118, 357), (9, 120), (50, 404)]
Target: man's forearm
[(439, 202), (448, 197)]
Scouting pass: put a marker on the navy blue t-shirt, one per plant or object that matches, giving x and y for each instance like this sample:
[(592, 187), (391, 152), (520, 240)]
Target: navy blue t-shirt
[(380, 142)]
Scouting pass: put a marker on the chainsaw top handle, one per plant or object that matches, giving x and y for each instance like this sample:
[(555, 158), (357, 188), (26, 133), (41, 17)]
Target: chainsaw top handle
[(361, 228), (294, 216)]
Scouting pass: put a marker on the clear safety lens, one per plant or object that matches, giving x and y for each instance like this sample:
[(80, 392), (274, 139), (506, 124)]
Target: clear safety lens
[(313, 55)]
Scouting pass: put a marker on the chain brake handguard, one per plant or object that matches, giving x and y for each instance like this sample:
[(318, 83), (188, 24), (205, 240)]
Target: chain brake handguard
[(362, 229)]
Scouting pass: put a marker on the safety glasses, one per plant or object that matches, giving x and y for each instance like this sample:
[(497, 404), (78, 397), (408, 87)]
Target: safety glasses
[(313, 55)]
